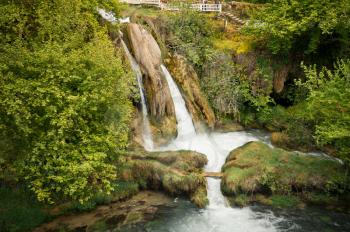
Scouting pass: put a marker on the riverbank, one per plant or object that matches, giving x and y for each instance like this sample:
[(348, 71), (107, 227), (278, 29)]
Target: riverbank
[(140, 208)]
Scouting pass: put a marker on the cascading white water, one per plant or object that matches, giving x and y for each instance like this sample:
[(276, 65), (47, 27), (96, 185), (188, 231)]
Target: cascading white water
[(218, 216), (147, 136), (184, 121)]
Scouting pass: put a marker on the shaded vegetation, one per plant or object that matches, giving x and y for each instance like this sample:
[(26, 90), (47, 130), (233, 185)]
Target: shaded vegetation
[(20, 211)]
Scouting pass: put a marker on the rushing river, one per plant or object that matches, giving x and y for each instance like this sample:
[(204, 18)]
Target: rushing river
[(219, 216)]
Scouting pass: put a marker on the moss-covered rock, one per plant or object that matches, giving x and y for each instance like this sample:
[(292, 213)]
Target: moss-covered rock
[(280, 139), (284, 141), (177, 173), (163, 130), (225, 126), (256, 168), (199, 197)]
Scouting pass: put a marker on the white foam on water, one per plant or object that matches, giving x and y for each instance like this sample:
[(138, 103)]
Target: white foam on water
[(218, 216), (109, 16)]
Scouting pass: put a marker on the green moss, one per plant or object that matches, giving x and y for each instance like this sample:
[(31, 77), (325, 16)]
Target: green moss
[(199, 197), (134, 217), (99, 226), (284, 201), (178, 173), (257, 168), (122, 190), (321, 199), (242, 200)]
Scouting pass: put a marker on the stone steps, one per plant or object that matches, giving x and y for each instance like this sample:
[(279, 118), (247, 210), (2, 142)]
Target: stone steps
[(232, 18)]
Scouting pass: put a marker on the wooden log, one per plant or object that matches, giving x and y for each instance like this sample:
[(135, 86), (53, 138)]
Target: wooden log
[(213, 174)]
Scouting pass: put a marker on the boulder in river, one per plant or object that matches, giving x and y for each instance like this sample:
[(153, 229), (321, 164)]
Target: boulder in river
[(177, 173), (256, 168)]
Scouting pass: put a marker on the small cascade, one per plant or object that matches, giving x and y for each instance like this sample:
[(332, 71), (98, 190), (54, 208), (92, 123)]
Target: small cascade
[(218, 216), (147, 136), (185, 127)]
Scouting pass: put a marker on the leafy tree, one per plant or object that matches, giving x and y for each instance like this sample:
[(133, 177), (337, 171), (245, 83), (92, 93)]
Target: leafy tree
[(64, 104), (305, 25), (328, 105), (228, 88), (223, 83), (190, 34)]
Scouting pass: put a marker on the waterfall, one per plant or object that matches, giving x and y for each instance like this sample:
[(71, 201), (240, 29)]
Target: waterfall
[(187, 138), (147, 136), (218, 216), (185, 127)]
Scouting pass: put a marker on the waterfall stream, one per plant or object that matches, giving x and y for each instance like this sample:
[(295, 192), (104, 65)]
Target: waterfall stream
[(147, 136), (218, 216)]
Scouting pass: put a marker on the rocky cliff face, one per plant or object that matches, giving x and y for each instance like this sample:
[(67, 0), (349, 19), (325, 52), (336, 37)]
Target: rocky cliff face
[(187, 79), (279, 74), (147, 53)]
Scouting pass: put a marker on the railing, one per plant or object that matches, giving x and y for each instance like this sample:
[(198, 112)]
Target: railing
[(169, 7), (136, 2), (207, 7), (200, 7), (151, 2)]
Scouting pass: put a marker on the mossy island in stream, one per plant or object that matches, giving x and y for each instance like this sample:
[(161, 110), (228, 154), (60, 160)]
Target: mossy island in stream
[(176, 173), (256, 172)]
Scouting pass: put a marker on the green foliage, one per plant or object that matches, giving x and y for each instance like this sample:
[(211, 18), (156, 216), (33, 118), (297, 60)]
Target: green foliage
[(305, 25), (121, 190), (225, 85), (190, 34), (283, 201), (64, 97), (328, 105), (19, 210), (229, 91)]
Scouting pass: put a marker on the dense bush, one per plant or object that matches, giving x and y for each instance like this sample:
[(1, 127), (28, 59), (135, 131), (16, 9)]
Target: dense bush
[(304, 25), (226, 85), (328, 105), (190, 34), (64, 103)]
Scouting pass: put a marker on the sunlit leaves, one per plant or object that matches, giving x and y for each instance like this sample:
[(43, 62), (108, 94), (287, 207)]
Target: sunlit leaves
[(281, 22), (328, 105), (64, 104)]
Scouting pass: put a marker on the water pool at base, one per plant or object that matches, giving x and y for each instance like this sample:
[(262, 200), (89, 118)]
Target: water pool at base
[(219, 216)]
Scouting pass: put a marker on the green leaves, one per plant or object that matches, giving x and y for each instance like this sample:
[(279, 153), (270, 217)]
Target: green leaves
[(64, 105), (280, 24), (191, 34), (329, 106)]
